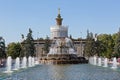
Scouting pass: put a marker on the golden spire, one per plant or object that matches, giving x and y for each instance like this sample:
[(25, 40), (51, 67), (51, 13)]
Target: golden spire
[(58, 10), (59, 19)]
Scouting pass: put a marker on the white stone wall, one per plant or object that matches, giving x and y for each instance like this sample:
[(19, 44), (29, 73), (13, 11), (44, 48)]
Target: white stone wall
[(59, 31)]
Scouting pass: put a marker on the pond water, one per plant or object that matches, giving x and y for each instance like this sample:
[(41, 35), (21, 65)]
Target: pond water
[(62, 72)]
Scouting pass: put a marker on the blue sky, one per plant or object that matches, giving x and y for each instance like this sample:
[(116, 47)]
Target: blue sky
[(17, 16)]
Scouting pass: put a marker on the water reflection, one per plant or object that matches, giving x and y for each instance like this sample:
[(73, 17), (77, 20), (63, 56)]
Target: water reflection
[(64, 72), (58, 72)]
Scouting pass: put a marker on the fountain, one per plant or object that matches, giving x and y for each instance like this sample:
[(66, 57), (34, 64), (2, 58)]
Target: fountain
[(91, 60), (62, 46), (114, 63), (32, 61), (36, 61), (95, 60), (63, 72), (9, 65), (17, 66), (62, 52), (24, 62), (17, 63), (99, 61), (29, 61), (105, 64)]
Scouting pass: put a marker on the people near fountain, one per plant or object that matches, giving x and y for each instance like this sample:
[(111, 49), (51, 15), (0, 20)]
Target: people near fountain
[(118, 60)]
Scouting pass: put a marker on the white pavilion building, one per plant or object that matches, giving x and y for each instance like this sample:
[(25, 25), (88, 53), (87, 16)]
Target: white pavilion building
[(59, 31)]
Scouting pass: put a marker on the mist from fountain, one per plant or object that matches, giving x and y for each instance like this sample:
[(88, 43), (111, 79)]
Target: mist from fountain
[(95, 60), (99, 62), (9, 65), (32, 61), (114, 63), (29, 61), (91, 60), (65, 43), (105, 64), (36, 60), (17, 63), (72, 51), (24, 62)]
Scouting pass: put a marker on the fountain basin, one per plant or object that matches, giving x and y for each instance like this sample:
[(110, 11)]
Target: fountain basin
[(63, 59), (63, 72)]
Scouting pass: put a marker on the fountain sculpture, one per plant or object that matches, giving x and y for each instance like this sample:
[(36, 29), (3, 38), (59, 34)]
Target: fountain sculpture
[(62, 50)]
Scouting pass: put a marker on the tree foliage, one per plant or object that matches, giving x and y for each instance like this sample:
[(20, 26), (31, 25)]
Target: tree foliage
[(28, 45), (108, 44), (117, 45), (89, 46), (2, 48), (14, 50), (103, 46)]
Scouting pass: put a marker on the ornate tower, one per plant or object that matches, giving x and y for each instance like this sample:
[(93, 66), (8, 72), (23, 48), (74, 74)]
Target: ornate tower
[(59, 19), (59, 31)]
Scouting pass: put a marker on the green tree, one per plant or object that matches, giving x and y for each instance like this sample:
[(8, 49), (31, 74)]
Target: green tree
[(117, 45), (89, 49), (28, 45), (14, 50), (98, 47), (2, 49), (107, 43), (94, 46), (114, 37)]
